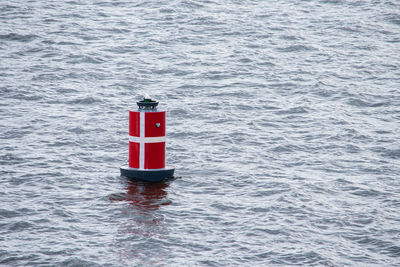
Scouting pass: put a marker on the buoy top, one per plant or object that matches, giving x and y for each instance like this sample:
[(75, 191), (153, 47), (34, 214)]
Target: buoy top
[(147, 103)]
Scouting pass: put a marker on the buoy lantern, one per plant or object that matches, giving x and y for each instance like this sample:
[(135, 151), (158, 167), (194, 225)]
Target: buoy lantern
[(147, 144)]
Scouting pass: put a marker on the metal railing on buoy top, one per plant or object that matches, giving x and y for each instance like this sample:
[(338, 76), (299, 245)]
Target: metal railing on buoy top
[(147, 144)]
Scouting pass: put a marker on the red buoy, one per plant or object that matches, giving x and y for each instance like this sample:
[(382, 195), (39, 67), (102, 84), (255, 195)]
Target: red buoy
[(147, 144)]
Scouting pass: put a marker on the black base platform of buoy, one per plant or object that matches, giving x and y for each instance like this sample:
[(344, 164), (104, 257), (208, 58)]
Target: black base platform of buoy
[(155, 175)]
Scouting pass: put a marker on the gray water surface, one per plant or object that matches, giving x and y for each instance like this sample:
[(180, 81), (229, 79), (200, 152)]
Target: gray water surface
[(283, 126)]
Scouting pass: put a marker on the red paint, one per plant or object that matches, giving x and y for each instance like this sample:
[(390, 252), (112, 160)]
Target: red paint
[(155, 155), (134, 123), (151, 119), (134, 150)]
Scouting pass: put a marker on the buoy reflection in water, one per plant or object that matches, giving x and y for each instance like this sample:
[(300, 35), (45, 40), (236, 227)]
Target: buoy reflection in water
[(144, 195)]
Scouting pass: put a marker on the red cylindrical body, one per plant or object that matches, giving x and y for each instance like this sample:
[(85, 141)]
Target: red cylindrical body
[(147, 139)]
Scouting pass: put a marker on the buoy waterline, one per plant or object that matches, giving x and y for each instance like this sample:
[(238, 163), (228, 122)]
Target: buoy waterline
[(147, 144)]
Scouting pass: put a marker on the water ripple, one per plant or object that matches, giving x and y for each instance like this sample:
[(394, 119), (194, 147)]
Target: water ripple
[(282, 126)]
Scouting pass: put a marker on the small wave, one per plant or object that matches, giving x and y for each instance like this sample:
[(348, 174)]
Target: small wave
[(86, 59), (289, 37), (296, 110), (76, 130), (282, 85), (365, 104), (324, 90), (61, 144), (67, 43), (331, 1), (377, 245), (20, 226), (392, 251), (366, 193), (18, 37), (72, 262), (7, 8), (305, 258), (167, 10), (286, 148), (349, 29), (8, 213), (192, 4), (296, 48), (392, 153), (267, 193), (393, 18), (10, 159), (84, 101), (178, 112), (366, 47), (245, 60)]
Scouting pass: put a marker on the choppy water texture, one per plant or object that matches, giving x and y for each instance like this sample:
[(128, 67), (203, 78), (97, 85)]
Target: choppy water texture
[(283, 126)]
